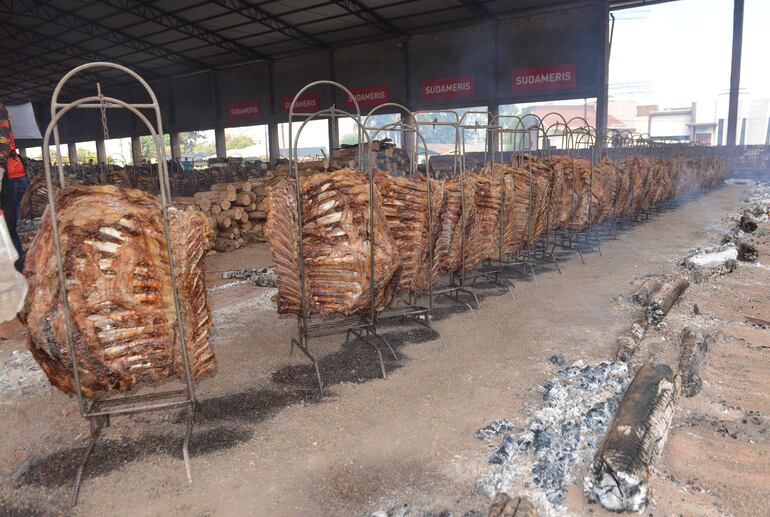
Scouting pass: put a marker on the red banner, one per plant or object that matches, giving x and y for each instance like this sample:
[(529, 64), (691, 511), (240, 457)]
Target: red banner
[(557, 77), (307, 103), (243, 111), (449, 88), (369, 96)]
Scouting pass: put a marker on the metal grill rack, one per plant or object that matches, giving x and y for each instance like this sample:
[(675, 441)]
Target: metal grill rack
[(521, 144), (409, 307), (99, 411), (362, 326), (493, 268), (455, 286)]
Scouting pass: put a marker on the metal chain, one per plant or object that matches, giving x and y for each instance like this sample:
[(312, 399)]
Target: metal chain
[(103, 110), (105, 132)]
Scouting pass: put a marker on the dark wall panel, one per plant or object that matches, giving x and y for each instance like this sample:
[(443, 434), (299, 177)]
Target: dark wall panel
[(554, 55), (120, 121), (291, 74), (451, 68), (244, 95), (373, 72), (163, 93), (195, 102)]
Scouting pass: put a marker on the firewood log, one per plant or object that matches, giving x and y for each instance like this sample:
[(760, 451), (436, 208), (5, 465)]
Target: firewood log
[(223, 221), (504, 505), (748, 222), (621, 470), (665, 298), (225, 204), (647, 289), (628, 343), (693, 351)]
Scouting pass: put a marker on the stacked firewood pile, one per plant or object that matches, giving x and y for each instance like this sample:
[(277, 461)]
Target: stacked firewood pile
[(383, 155), (236, 211), (501, 209)]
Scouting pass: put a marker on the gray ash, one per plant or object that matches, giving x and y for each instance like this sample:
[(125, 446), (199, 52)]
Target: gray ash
[(562, 431)]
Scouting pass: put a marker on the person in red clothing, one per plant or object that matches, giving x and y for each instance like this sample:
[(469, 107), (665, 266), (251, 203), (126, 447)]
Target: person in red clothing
[(14, 182)]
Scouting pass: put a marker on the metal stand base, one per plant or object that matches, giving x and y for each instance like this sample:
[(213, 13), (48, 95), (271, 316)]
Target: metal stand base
[(98, 419), (355, 326)]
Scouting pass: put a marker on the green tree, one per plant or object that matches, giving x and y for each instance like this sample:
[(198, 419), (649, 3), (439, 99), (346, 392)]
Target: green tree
[(239, 141), (188, 140), (349, 138), (147, 146), (83, 156)]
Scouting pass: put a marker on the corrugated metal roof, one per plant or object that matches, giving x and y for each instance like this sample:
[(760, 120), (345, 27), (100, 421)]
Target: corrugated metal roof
[(160, 39)]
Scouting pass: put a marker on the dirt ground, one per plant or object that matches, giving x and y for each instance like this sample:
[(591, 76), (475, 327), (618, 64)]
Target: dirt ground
[(265, 444)]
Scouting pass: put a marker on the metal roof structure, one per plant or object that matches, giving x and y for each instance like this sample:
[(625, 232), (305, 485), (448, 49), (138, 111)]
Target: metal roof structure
[(163, 39)]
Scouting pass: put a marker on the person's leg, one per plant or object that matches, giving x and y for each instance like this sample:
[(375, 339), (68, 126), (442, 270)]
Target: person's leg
[(16, 187)]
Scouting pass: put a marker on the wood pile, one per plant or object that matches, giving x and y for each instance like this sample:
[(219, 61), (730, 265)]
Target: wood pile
[(383, 155), (236, 211)]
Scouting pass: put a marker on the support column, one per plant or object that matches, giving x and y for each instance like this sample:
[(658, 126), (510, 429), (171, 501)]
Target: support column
[(136, 150), (22, 152), (219, 142), (101, 152), (735, 73), (602, 98), (334, 135), (494, 137), (176, 148), (410, 145), (273, 145), (73, 154)]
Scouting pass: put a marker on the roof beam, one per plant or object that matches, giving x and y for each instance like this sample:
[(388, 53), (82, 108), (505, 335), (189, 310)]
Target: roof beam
[(171, 21), (45, 12), (357, 8), (244, 8)]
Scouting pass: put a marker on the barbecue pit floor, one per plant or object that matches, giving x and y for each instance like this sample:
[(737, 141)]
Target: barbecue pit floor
[(266, 445)]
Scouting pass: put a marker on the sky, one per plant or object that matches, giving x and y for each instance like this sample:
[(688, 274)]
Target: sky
[(676, 53)]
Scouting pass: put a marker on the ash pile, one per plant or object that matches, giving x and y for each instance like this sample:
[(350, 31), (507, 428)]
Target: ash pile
[(563, 431)]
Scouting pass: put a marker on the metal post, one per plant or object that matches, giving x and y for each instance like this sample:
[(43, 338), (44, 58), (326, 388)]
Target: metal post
[(273, 146), (334, 134), (101, 152), (72, 151), (602, 97), (219, 142), (136, 150), (409, 144), (494, 136), (735, 73)]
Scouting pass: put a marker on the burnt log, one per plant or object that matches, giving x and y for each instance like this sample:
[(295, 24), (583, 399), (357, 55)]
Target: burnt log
[(647, 289), (504, 505), (747, 252), (665, 298), (748, 222), (628, 343), (265, 277), (693, 351), (621, 470)]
